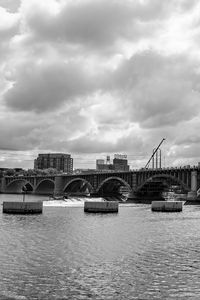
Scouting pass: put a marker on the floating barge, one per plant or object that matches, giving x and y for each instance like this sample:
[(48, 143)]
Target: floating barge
[(167, 206), (101, 206), (18, 207)]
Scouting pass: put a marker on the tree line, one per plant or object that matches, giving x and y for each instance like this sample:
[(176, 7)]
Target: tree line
[(29, 172)]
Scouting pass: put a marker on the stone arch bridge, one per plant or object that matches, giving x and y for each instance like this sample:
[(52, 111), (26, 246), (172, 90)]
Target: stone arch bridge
[(138, 182)]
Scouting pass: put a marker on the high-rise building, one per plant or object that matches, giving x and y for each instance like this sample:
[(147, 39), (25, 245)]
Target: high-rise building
[(59, 161)]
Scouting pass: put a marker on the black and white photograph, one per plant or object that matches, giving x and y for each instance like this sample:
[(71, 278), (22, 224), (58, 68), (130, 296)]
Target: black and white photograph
[(99, 149)]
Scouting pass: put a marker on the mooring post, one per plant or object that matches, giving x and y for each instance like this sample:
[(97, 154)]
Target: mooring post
[(24, 190)]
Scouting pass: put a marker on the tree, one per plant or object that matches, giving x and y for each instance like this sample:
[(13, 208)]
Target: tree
[(10, 172)]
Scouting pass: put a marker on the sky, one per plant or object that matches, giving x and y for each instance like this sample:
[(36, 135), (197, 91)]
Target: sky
[(94, 78)]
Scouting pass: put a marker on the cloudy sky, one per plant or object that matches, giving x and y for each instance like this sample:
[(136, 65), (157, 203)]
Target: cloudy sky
[(97, 77)]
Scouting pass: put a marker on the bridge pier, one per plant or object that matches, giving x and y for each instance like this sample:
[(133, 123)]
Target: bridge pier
[(192, 195), (2, 185), (59, 185), (134, 182)]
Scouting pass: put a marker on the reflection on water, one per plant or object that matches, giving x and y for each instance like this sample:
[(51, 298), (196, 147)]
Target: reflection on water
[(67, 254)]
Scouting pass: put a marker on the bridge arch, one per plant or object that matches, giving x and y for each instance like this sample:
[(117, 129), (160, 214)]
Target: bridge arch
[(167, 178), (112, 185), (15, 186), (78, 185), (45, 187)]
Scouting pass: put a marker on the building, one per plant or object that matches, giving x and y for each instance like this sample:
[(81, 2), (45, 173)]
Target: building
[(59, 161), (99, 163), (102, 166), (120, 163)]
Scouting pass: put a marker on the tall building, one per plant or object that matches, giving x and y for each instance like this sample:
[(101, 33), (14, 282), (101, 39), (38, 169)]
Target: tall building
[(59, 161)]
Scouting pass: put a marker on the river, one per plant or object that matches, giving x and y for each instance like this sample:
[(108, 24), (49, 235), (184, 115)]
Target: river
[(65, 253)]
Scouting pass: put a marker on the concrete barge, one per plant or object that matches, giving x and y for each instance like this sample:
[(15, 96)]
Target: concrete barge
[(167, 206), (101, 206), (18, 207)]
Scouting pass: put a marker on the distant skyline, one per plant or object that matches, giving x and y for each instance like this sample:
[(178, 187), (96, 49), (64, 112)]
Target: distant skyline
[(94, 77)]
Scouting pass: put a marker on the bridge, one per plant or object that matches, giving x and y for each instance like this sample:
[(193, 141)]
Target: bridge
[(143, 182)]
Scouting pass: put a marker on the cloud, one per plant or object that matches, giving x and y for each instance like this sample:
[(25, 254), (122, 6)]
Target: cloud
[(17, 134), (10, 5), (95, 25), (158, 90), (95, 144), (8, 22), (103, 76), (27, 131), (47, 85), (9, 27)]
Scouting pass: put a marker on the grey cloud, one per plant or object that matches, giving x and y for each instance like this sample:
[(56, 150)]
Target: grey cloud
[(10, 5), (86, 144), (157, 90), (189, 133), (7, 33), (95, 144), (188, 140), (187, 154), (155, 93), (8, 29), (185, 5), (16, 135), (97, 24), (46, 86), (29, 131)]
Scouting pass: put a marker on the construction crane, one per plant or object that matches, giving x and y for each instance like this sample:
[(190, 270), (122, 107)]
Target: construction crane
[(154, 152)]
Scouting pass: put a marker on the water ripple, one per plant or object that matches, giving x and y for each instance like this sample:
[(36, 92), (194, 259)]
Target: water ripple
[(67, 254)]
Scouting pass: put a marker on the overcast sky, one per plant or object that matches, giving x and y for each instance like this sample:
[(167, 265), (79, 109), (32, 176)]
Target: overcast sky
[(97, 77)]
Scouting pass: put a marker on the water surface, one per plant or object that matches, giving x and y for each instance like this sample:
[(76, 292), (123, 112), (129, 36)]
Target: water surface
[(65, 253)]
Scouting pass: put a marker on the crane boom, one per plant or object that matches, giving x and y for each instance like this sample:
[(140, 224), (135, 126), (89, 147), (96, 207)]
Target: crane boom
[(154, 152)]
